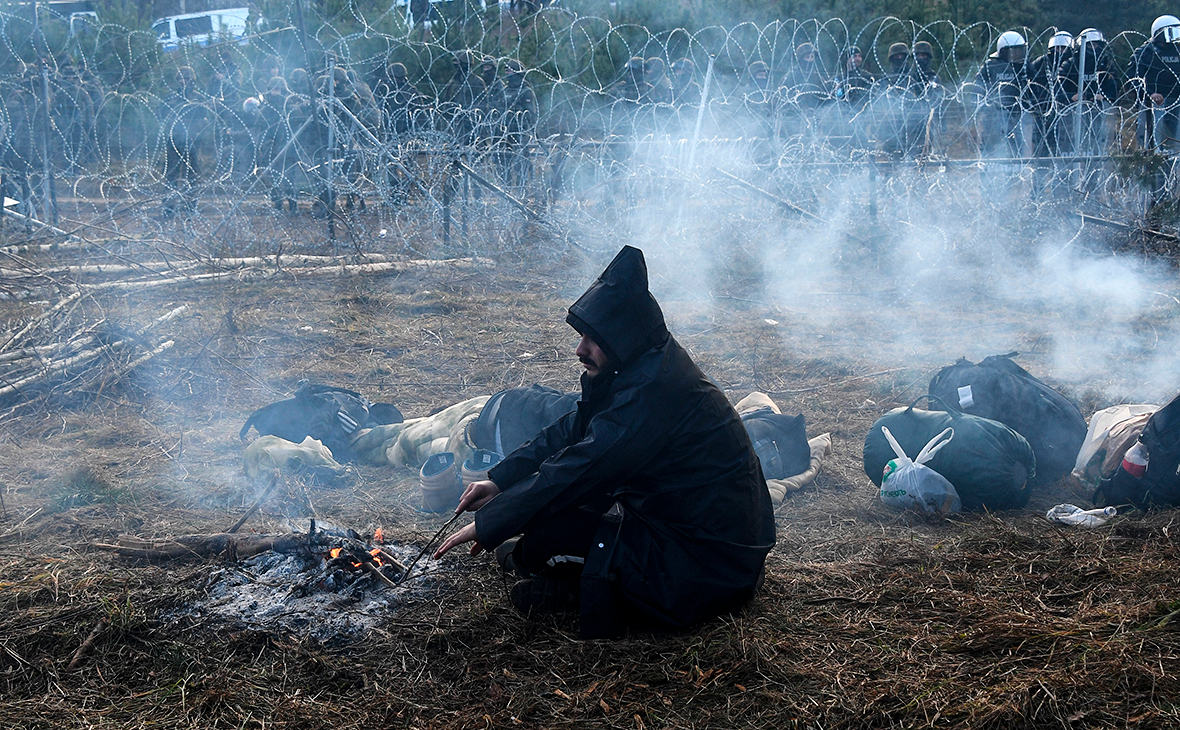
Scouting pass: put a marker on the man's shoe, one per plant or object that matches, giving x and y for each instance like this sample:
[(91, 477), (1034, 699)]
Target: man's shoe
[(545, 595), (506, 562)]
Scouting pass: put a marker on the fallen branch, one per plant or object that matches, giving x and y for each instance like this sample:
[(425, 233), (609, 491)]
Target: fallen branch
[(202, 546), (769, 195), (61, 365), (39, 319), (174, 267), (501, 192), (373, 269), (374, 571), (40, 224), (87, 644), (1087, 218), (145, 357)]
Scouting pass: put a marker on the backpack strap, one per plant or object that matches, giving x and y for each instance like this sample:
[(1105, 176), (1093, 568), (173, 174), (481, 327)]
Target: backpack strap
[(931, 397)]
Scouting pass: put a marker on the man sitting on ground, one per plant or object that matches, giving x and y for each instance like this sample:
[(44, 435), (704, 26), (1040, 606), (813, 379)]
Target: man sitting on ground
[(646, 506)]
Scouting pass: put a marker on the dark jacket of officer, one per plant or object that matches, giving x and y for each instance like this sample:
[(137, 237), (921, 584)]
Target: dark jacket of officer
[(1157, 70), (1003, 84), (657, 448), (1044, 78), (1100, 76)]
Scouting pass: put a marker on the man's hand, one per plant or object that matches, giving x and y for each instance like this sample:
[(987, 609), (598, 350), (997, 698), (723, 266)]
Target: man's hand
[(476, 495), (467, 534)]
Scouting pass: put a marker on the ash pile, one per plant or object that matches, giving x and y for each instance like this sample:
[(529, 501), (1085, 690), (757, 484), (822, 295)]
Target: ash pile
[(328, 584)]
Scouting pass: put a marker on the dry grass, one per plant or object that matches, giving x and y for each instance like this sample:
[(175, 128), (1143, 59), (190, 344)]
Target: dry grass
[(868, 618)]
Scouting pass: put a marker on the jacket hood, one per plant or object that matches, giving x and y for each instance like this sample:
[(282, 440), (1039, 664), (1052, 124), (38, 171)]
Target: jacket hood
[(618, 312)]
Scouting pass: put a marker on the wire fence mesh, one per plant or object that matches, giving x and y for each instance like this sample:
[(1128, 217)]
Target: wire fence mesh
[(465, 128)]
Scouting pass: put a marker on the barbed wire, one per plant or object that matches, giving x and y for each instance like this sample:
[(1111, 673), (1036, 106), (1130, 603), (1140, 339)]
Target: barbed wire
[(478, 127)]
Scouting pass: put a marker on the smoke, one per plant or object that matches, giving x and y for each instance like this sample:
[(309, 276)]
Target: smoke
[(953, 264)]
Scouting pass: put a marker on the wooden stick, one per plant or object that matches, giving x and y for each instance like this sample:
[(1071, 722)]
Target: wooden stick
[(374, 571), (501, 192), (38, 351), (426, 547), (392, 561), (768, 195), (52, 367), (87, 644), (173, 267), (145, 357), (274, 479)]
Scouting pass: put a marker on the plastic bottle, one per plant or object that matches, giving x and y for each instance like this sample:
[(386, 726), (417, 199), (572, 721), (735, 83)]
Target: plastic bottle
[(1068, 514), (1135, 460)]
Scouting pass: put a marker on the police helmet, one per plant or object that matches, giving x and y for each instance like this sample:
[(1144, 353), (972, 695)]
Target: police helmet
[(898, 49), (1091, 35), (924, 47), (1061, 39), (1163, 21), (1008, 39)]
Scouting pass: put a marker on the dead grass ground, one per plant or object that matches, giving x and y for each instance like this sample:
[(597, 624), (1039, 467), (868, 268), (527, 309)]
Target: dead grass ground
[(868, 618)]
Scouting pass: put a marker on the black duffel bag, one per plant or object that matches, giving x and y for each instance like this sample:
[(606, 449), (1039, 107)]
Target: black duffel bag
[(989, 464), (1001, 390), (1159, 484), (780, 441)]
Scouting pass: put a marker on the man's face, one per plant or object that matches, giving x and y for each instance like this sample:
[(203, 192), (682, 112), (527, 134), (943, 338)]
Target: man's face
[(591, 356), (855, 61)]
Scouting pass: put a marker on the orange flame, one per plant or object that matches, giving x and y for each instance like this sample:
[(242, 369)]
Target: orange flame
[(335, 552), (379, 535)]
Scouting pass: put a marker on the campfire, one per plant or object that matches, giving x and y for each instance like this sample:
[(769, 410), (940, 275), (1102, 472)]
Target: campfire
[(329, 583)]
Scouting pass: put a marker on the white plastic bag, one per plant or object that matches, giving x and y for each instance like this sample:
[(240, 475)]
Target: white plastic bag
[(1068, 514), (910, 484)]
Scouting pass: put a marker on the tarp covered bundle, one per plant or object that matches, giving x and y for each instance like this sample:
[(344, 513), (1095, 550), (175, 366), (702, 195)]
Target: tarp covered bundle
[(988, 463), (999, 389)]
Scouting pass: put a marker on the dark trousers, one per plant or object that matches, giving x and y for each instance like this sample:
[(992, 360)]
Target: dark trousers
[(557, 546)]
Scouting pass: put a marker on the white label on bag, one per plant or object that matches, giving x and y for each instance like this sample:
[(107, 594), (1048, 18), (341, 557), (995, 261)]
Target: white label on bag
[(965, 398)]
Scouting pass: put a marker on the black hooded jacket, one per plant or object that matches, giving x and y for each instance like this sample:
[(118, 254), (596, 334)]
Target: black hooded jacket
[(657, 448)]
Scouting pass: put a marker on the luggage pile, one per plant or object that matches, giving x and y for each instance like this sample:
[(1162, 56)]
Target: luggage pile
[(1011, 434)]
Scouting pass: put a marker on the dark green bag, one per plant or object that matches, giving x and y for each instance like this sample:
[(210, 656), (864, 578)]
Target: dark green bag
[(988, 463)]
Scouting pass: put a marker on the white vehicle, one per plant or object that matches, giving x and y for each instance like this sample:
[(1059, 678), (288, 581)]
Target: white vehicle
[(201, 29)]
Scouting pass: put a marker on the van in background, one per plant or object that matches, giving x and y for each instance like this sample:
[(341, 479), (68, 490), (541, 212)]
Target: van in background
[(201, 29)]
